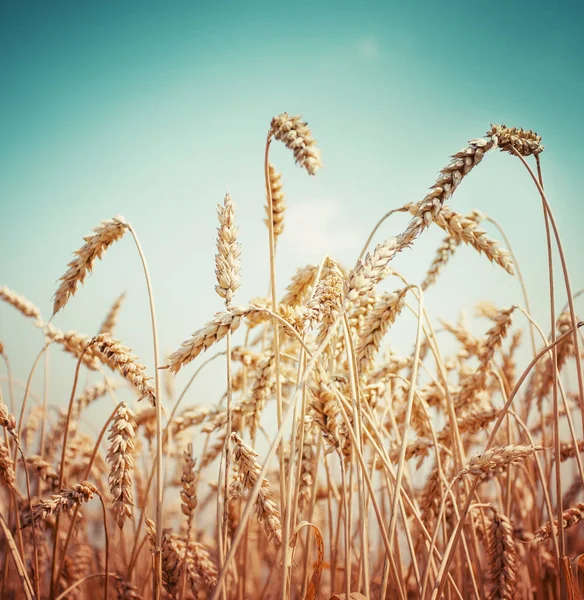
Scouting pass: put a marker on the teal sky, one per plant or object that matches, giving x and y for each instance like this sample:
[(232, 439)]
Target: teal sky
[(154, 110)]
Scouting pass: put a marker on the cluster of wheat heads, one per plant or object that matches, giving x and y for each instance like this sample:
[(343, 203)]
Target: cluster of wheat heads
[(452, 471)]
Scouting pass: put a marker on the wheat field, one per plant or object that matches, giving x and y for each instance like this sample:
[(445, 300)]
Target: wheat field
[(329, 465)]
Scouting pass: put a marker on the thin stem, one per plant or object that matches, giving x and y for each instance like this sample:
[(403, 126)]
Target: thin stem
[(20, 568), (85, 476), (272, 250), (159, 490), (449, 552)]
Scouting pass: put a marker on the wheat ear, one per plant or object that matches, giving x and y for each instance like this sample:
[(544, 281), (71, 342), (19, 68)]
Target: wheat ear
[(374, 267), (248, 467), (502, 558), (499, 457), (65, 500), (570, 517), (120, 358), (227, 259), (278, 203), (526, 142), (296, 135), (20, 303), (120, 456), (103, 236), (202, 339), (111, 319)]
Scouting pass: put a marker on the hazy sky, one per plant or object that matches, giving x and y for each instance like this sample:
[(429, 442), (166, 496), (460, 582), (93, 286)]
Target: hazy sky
[(155, 110)]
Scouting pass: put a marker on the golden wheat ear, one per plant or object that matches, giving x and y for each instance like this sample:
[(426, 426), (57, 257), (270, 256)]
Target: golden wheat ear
[(294, 133), (103, 236)]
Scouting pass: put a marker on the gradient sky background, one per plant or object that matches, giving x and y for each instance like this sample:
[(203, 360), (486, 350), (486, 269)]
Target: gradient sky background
[(154, 110)]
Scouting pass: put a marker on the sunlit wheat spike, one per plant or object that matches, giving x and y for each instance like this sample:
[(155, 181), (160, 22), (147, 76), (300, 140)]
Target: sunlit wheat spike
[(120, 358), (120, 456), (465, 230), (296, 135), (446, 249), (502, 558), (248, 467), (278, 203), (326, 301), (204, 338), (299, 288), (74, 343), (103, 236), (570, 517), (65, 501), (496, 458), (524, 141), (20, 303), (227, 259), (376, 325), (111, 319), (374, 267)]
